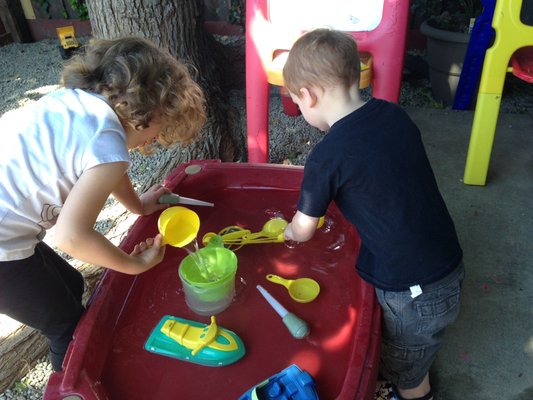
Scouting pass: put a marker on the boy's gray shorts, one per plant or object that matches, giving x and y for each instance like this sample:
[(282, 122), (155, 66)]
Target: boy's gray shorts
[(413, 328)]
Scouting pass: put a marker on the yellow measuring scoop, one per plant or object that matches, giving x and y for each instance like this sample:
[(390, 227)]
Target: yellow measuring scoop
[(178, 226), (302, 290), (234, 237)]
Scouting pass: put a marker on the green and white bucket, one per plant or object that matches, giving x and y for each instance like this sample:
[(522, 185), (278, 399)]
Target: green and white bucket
[(208, 278)]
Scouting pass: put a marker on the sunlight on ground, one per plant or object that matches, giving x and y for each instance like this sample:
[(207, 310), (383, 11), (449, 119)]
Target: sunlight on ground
[(8, 326), (33, 95), (43, 90)]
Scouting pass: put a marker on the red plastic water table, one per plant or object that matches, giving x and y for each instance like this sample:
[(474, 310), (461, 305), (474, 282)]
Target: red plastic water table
[(106, 359)]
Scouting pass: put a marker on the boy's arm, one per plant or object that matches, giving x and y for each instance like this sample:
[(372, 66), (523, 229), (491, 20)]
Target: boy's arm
[(146, 204), (75, 232), (301, 228)]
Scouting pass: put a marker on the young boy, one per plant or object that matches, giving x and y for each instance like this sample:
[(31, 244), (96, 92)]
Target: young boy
[(372, 163), (61, 159)]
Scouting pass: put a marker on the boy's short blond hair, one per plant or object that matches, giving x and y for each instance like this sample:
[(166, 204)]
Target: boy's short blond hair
[(322, 58), (141, 82)]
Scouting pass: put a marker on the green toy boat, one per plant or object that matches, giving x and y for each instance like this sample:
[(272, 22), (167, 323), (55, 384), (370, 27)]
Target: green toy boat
[(195, 342)]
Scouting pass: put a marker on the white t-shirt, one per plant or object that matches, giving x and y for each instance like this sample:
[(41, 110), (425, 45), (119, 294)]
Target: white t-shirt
[(44, 149)]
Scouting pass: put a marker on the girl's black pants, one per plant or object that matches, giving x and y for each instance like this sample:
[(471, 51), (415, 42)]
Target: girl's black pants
[(44, 292)]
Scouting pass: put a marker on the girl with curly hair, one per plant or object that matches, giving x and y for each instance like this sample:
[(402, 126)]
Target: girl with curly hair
[(61, 159)]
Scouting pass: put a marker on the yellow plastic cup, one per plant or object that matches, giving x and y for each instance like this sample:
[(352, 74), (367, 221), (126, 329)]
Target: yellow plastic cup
[(178, 225)]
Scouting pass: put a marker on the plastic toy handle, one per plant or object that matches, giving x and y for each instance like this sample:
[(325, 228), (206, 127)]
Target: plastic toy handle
[(279, 280), (171, 198), (272, 232), (209, 334), (261, 237), (234, 232), (282, 311), (296, 326)]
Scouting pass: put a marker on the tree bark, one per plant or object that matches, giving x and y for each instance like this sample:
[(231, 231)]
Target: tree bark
[(20, 349), (177, 26)]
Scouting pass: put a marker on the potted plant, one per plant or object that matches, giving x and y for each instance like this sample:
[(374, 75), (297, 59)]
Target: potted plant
[(447, 28)]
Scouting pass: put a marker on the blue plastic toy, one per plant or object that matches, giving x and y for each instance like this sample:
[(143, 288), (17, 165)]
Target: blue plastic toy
[(290, 384)]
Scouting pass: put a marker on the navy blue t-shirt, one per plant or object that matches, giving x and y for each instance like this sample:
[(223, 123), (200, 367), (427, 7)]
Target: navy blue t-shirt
[(373, 164)]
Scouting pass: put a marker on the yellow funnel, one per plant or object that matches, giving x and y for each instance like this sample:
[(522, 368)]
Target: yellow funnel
[(178, 225)]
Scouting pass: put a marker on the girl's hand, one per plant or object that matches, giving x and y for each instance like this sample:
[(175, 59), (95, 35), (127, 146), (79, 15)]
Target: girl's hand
[(150, 199), (150, 252)]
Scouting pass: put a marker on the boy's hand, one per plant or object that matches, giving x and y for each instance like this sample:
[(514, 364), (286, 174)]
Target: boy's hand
[(149, 199), (288, 232), (302, 227), (150, 252)]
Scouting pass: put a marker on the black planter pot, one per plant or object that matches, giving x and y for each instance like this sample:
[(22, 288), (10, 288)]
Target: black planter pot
[(445, 55)]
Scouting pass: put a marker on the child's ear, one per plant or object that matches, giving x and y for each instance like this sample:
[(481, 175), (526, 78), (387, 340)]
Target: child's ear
[(308, 96)]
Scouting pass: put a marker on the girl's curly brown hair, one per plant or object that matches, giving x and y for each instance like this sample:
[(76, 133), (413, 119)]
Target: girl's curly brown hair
[(141, 81)]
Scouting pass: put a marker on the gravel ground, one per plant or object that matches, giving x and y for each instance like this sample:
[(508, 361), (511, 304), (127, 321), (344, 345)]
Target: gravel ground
[(28, 71)]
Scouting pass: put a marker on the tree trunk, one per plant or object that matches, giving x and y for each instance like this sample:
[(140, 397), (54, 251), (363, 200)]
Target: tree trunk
[(20, 349), (178, 26)]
